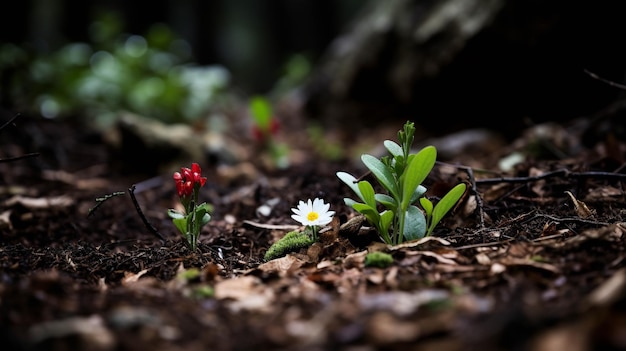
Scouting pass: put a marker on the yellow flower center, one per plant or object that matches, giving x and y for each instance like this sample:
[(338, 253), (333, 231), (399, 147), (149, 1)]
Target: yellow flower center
[(312, 216)]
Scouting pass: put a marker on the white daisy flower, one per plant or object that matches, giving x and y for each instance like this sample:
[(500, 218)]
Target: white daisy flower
[(314, 213)]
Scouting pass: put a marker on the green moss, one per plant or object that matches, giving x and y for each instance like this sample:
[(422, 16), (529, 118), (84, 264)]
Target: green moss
[(378, 259), (292, 241)]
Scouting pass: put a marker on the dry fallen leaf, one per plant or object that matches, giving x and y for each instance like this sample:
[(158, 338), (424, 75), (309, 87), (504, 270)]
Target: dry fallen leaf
[(282, 265), (610, 291), (130, 278), (91, 331), (5, 220), (581, 208), (246, 293)]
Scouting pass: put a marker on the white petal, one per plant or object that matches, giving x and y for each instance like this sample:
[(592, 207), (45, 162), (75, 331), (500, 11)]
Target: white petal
[(317, 203), (299, 219)]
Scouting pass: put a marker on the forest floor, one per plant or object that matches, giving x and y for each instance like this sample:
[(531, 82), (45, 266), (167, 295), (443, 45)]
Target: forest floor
[(519, 264)]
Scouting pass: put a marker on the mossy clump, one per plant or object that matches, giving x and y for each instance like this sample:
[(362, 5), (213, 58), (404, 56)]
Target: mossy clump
[(378, 259), (291, 242)]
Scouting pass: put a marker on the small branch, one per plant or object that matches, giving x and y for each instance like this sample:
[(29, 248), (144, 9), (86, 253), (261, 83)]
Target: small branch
[(558, 173), (271, 226), (479, 199), (611, 83), (473, 246), (571, 219), (472, 179), (17, 158), (153, 230), (10, 121), (101, 200)]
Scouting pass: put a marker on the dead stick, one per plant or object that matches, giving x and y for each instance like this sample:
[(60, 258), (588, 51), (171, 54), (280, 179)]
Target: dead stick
[(472, 180), (558, 173), (9, 121), (153, 230), (11, 159), (604, 80)]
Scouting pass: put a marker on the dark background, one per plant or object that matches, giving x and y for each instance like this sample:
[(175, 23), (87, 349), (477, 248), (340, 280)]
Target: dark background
[(252, 38), (527, 67)]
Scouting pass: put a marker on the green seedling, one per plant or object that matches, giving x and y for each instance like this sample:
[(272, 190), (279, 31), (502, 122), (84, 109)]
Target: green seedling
[(195, 216), (400, 175), (265, 130)]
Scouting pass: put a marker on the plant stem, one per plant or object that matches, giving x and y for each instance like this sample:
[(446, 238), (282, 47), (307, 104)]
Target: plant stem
[(191, 226), (314, 231), (402, 215)]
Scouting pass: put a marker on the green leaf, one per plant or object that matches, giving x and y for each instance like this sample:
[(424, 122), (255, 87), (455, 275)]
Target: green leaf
[(349, 202), (370, 213), (418, 168), (351, 182), (419, 192), (427, 205), (445, 204), (398, 165), (387, 201), (386, 218), (208, 208), (367, 192), (414, 224), (393, 148), (174, 214), (382, 174), (261, 111), (205, 219), (181, 224)]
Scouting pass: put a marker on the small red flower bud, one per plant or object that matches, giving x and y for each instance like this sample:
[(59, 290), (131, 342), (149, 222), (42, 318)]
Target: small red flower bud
[(197, 174), (187, 178)]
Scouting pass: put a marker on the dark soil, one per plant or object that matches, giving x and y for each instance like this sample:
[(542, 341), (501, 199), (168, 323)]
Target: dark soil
[(516, 266)]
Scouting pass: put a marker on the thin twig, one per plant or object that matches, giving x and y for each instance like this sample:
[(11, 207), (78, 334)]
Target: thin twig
[(271, 226), (11, 159), (473, 246), (571, 219), (101, 200), (10, 121), (153, 230), (16, 158), (479, 199), (611, 83), (558, 173)]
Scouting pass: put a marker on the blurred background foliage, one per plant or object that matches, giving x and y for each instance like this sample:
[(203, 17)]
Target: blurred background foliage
[(175, 61)]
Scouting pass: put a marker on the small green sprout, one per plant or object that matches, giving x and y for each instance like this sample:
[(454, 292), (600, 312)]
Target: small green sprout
[(378, 259), (323, 147), (401, 175), (265, 129), (190, 222)]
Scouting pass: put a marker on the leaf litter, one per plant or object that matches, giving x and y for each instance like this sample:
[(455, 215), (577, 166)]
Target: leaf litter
[(532, 260)]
